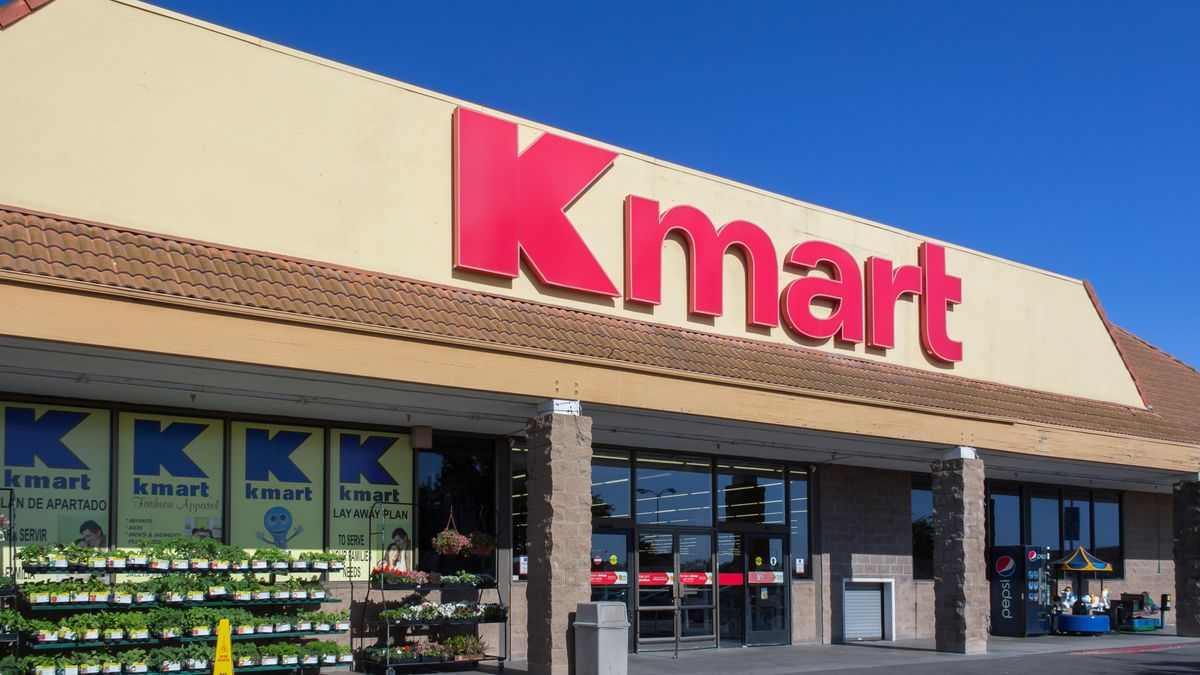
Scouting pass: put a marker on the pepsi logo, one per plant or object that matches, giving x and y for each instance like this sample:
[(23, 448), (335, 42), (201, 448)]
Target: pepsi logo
[(1032, 555), (1005, 565)]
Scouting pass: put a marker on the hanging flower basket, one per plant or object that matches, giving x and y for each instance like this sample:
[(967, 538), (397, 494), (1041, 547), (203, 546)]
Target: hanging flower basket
[(482, 543), (450, 541)]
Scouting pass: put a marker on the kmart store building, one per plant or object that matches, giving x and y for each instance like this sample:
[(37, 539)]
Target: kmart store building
[(240, 280)]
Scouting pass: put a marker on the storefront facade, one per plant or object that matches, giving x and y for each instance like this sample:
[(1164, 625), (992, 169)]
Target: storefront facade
[(288, 284)]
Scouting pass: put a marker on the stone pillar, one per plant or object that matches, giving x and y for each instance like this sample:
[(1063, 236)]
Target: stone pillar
[(560, 532), (1186, 518), (960, 585)]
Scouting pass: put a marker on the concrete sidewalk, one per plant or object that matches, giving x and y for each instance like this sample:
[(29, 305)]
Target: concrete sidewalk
[(867, 655)]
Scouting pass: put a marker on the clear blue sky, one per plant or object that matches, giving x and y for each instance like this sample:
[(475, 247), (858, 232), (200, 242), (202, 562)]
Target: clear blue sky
[(1065, 135)]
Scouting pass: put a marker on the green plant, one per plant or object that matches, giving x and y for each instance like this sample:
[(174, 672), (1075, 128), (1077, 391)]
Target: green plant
[(245, 650), (470, 645), (135, 656), (77, 554), (323, 556), (11, 621), (271, 555), (35, 554)]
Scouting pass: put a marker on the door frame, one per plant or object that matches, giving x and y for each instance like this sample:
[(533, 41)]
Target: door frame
[(784, 635), (889, 604), (676, 591)]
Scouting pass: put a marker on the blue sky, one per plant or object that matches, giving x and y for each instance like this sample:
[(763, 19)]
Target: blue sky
[(1064, 135)]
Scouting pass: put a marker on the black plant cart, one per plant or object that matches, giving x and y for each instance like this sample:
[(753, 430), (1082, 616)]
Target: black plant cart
[(391, 630), (117, 564)]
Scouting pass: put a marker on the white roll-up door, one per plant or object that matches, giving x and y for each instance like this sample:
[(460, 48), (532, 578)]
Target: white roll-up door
[(863, 604)]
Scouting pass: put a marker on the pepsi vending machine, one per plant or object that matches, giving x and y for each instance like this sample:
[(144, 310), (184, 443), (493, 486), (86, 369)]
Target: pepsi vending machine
[(1020, 591)]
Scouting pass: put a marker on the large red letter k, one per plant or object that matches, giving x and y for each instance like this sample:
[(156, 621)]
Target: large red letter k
[(508, 205)]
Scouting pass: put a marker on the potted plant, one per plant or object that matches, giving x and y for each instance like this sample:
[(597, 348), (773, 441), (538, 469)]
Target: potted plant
[(245, 655), (167, 623), (466, 647), (136, 661), (431, 652), (450, 542), (138, 558), (34, 556), (98, 592), (145, 592), (277, 558), (172, 587), (89, 663), (196, 657), (135, 625), (110, 626), (43, 665), (87, 627), (309, 655), (11, 621), (168, 659)]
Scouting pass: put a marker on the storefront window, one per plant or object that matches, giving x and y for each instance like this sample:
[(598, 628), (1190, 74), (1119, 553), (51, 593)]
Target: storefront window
[(610, 484), (799, 513), (1044, 520), (520, 511), (1076, 521), (457, 479), (674, 491), (1004, 516), (749, 494), (610, 567), (922, 527), (732, 594), (1106, 516)]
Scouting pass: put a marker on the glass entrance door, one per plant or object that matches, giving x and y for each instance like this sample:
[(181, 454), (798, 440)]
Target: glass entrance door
[(676, 590), (766, 590)]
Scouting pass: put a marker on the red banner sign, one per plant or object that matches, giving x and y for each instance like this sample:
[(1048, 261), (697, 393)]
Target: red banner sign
[(610, 578), (655, 578), (765, 578)]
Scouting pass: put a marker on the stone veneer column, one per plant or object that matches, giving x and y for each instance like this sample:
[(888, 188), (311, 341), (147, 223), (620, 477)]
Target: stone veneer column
[(1186, 518), (560, 532), (960, 586)]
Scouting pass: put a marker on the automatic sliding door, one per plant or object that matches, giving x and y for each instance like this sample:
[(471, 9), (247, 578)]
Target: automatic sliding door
[(676, 590), (697, 601), (656, 587)]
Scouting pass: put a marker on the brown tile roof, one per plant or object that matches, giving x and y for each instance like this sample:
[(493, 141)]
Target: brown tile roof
[(49, 246), (16, 10)]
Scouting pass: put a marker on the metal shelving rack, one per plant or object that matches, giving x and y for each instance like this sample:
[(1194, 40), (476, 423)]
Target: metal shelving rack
[(111, 574)]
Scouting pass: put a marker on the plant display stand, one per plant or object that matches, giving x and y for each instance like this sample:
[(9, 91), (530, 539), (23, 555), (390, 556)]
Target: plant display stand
[(439, 624), (401, 618), (85, 612)]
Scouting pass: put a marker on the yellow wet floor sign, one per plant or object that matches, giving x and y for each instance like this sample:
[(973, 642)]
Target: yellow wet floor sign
[(223, 661)]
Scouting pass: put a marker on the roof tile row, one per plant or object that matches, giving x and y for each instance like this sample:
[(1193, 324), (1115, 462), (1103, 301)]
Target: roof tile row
[(45, 246)]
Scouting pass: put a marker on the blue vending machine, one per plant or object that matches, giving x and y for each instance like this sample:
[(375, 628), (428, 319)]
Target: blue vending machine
[(1020, 590)]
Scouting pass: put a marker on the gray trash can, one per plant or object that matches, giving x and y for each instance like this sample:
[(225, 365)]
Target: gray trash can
[(601, 639)]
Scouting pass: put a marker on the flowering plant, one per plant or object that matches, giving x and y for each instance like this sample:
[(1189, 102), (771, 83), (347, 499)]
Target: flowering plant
[(451, 542), (386, 574)]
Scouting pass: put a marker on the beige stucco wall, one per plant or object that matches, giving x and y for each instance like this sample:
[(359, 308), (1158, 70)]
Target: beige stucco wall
[(130, 115)]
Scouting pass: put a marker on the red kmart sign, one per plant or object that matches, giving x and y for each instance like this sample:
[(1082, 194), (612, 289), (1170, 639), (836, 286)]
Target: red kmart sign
[(510, 205)]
